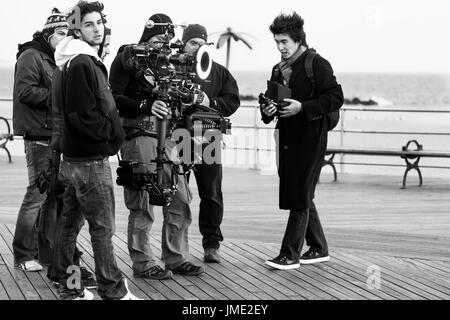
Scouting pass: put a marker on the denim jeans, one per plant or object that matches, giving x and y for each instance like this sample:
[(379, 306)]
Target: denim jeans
[(209, 184), (303, 224), (37, 212), (177, 216), (90, 192)]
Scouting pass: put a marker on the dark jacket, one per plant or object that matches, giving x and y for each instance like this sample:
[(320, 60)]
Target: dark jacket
[(31, 93), (303, 137), (91, 125), (57, 102), (222, 90), (129, 90)]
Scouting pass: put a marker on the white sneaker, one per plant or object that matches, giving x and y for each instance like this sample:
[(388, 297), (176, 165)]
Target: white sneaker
[(129, 295), (29, 266), (85, 295)]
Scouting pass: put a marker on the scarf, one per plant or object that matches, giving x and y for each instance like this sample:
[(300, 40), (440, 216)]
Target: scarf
[(285, 66)]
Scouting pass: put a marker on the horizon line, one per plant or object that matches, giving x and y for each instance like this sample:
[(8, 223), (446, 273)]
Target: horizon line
[(395, 72)]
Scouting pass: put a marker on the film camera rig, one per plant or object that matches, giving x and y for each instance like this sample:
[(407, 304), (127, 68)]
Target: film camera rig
[(173, 74)]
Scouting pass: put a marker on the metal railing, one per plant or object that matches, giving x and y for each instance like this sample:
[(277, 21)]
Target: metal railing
[(257, 126), (342, 130)]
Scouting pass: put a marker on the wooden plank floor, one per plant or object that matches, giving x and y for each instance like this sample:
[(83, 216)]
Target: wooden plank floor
[(369, 222), (242, 275)]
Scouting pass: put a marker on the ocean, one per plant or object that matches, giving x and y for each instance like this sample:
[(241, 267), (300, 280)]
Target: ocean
[(399, 91), (396, 89)]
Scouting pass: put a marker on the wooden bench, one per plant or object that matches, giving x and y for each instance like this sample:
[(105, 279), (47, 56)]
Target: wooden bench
[(411, 157), (5, 137)]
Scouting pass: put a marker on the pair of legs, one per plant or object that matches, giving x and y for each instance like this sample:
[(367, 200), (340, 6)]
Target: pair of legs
[(37, 214), (209, 184), (89, 193), (303, 224), (177, 216)]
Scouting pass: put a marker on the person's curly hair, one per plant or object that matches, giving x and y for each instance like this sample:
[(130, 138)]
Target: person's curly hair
[(86, 7), (290, 24)]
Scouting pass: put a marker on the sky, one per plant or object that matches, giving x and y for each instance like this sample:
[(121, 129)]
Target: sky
[(395, 36)]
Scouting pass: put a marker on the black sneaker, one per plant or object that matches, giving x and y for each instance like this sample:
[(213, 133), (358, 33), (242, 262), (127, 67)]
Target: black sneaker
[(87, 279), (188, 269), (312, 256), (211, 255), (154, 273), (283, 263), (74, 294)]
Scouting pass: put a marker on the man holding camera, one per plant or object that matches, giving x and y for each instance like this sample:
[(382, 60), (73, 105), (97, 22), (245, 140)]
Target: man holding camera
[(302, 130), (136, 98), (222, 94)]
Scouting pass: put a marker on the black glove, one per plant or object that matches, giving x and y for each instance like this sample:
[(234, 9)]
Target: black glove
[(262, 100), (146, 107)]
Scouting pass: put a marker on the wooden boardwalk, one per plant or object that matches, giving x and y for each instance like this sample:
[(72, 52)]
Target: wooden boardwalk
[(373, 228)]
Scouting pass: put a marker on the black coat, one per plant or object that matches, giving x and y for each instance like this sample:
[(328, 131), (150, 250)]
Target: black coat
[(32, 88), (222, 90), (302, 139), (91, 125)]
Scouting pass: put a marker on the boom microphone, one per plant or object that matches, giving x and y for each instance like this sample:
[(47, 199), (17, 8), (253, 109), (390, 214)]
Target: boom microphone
[(150, 24)]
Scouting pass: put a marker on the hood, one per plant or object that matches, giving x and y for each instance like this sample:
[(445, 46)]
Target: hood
[(69, 48), (37, 43)]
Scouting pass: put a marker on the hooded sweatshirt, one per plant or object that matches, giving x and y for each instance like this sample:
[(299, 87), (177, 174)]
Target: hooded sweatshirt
[(90, 127)]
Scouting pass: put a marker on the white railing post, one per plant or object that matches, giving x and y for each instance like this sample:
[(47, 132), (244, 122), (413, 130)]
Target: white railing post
[(342, 132), (256, 139)]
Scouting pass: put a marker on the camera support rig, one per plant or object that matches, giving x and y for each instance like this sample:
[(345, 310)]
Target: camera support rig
[(173, 75)]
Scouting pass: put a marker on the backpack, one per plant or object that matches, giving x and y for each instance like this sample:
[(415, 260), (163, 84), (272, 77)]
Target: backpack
[(333, 117)]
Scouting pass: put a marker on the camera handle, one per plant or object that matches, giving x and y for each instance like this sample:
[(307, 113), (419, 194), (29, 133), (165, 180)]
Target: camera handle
[(163, 95)]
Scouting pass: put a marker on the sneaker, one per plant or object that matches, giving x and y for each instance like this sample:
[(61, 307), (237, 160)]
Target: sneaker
[(211, 255), (74, 294), (188, 269), (85, 295), (29, 266), (129, 295), (155, 273), (283, 263), (312, 256), (87, 279)]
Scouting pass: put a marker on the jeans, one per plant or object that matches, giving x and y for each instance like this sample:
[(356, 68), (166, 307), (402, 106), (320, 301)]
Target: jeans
[(90, 192), (303, 223), (209, 184), (177, 216), (37, 212)]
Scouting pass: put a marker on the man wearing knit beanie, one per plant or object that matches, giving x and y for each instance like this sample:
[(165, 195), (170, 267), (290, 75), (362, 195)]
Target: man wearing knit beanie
[(139, 107), (222, 94), (32, 120), (150, 31)]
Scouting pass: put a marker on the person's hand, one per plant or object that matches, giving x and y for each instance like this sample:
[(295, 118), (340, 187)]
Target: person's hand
[(269, 109), (293, 108), (159, 109), (205, 102)]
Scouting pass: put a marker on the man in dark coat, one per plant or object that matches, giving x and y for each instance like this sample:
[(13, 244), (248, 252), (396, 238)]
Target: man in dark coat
[(32, 121), (221, 94), (90, 132), (302, 132), (137, 100)]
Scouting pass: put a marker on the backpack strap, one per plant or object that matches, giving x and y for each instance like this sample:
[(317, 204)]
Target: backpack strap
[(309, 69)]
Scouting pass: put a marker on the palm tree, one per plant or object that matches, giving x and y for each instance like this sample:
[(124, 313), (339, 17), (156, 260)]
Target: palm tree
[(226, 36)]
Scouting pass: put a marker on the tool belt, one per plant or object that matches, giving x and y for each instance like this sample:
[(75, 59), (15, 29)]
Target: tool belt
[(144, 123)]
